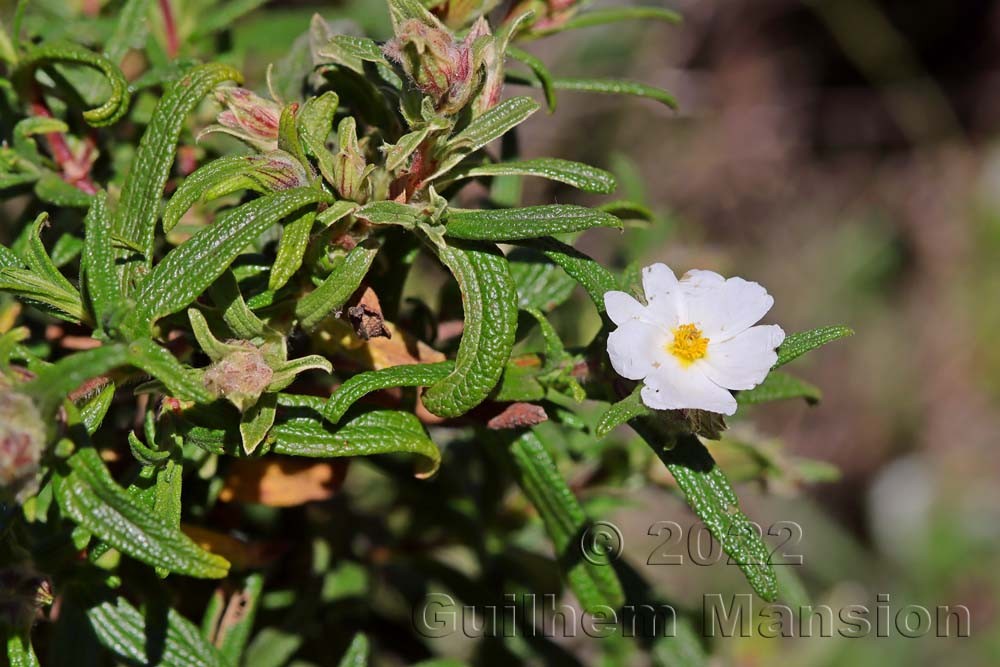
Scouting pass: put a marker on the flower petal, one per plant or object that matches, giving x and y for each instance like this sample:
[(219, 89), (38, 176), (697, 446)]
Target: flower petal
[(723, 308), (663, 294), (623, 307), (673, 387), (743, 361), (636, 349)]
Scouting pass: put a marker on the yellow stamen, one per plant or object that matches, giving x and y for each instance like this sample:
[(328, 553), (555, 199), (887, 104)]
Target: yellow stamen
[(688, 344)]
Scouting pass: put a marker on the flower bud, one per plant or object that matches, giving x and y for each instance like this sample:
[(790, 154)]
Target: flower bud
[(549, 14), (439, 66), (247, 117), (241, 376), (350, 168), (22, 440)]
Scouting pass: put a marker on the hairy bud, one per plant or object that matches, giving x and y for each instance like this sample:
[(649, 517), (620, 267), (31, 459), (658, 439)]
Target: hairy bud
[(440, 66), (22, 439), (241, 376), (350, 169), (248, 117)]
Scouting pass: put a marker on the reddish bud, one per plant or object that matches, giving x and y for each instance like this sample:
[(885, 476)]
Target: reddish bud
[(22, 440), (248, 117)]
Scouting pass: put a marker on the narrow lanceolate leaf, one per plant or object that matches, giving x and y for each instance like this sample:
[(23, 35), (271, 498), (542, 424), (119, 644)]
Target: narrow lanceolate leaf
[(577, 174), (621, 412), (121, 628), (489, 302), (513, 224), (98, 504), (101, 277), (190, 268), (711, 496), (291, 249), (71, 54), (379, 432), (257, 421), (594, 278), (595, 584), (38, 258), (778, 386), (39, 291), (799, 343), (140, 200), (337, 288), (9, 259), (614, 15), (541, 72), (601, 86), (179, 380), (265, 173), (408, 375), (616, 87), (494, 123)]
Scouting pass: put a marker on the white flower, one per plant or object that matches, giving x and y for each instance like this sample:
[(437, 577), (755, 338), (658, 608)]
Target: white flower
[(694, 341)]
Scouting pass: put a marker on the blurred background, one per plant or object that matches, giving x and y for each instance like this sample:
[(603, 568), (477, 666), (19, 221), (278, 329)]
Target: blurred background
[(844, 154)]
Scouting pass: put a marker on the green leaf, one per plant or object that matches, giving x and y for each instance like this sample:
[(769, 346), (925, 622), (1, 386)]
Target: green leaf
[(778, 386), (357, 386), (577, 174), (225, 293), (378, 432), (140, 199), (38, 258), (182, 382), (799, 343), (598, 17), (291, 250), (390, 213), (257, 421), (100, 276), (711, 496), (93, 500), (9, 259), (594, 278), (397, 155), (52, 189), (541, 72), (621, 412), (493, 124), (122, 629), (337, 288), (64, 52), (39, 291), (602, 86), (19, 650), (270, 172), (352, 52), (315, 121), (356, 654), (594, 584), (92, 413), (540, 282), (489, 302), (512, 224), (187, 270)]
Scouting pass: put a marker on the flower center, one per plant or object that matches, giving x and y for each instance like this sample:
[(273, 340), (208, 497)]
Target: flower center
[(688, 344)]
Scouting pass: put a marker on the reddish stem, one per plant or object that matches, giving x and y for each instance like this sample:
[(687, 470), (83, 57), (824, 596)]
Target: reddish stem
[(170, 28), (74, 170)]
